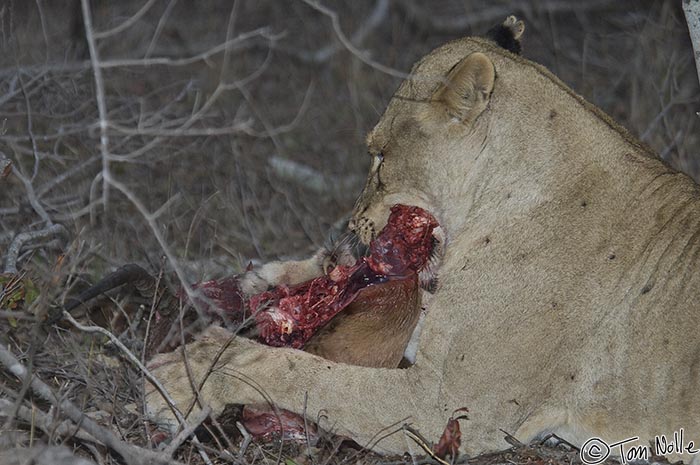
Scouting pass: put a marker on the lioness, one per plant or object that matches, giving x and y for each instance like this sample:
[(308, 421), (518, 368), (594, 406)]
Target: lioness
[(568, 291)]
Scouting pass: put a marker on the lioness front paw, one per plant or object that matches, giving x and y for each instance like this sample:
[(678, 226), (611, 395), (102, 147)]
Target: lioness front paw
[(205, 360)]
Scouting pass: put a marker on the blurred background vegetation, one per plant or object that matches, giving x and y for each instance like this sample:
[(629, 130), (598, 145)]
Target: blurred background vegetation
[(242, 123)]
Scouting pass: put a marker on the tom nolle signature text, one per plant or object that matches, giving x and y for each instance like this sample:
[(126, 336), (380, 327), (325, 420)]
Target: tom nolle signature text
[(595, 450)]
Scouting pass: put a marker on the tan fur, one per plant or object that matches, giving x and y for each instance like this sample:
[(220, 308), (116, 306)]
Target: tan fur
[(469, 84), (374, 330), (569, 294)]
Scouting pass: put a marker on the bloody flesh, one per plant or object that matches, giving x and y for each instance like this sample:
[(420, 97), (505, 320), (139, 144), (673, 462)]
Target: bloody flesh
[(265, 423), (289, 316), (223, 298)]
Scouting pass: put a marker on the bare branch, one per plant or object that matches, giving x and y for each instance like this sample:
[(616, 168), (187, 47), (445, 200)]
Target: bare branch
[(245, 442), (43, 28), (347, 43), (311, 179), (127, 23), (43, 421), (151, 379), (691, 9), (67, 174), (42, 455), (159, 27), (5, 166), (132, 455), (16, 245), (100, 97), (462, 24), (188, 430), (15, 315), (240, 42), (31, 195), (131, 357), (375, 18), (236, 128)]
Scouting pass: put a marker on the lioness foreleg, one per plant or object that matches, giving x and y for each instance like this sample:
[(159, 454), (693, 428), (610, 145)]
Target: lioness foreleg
[(250, 373)]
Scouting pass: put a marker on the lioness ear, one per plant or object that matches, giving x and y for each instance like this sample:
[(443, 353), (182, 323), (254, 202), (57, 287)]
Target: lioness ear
[(467, 87)]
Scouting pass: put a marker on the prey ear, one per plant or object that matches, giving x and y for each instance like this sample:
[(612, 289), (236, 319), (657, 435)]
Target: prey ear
[(508, 34), (467, 88)]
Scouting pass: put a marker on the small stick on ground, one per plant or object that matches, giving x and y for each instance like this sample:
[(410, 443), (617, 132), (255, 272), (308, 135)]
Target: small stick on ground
[(188, 431), (510, 439), (247, 438), (132, 455), (423, 443), (44, 422), (149, 376)]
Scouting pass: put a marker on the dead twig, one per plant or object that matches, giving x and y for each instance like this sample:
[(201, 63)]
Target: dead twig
[(245, 442), (131, 454), (16, 315), (308, 178), (188, 430), (131, 357), (15, 247), (5, 166), (127, 23), (462, 24), (423, 444), (44, 421), (243, 127), (42, 455), (148, 375), (31, 196), (159, 28), (348, 44), (240, 41), (374, 19), (101, 102), (510, 439), (691, 9)]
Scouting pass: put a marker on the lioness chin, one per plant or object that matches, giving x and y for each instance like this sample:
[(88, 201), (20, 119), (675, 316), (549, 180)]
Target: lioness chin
[(568, 299)]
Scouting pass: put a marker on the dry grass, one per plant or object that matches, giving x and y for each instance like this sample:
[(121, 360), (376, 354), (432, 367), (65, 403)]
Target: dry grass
[(205, 108)]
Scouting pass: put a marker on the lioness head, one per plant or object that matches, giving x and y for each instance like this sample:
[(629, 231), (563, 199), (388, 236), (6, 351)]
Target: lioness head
[(430, 131), (471, 120), (433, 130)]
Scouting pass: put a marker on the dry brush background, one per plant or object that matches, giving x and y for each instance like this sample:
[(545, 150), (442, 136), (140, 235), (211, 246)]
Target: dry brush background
[(213, 133)]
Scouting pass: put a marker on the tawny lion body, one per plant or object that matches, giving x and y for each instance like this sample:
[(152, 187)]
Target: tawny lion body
[(569, 293)]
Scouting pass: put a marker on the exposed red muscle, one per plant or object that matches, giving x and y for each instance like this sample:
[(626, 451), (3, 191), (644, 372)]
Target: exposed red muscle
[(265, 423), (290, 316), (223, 299)]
